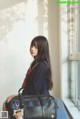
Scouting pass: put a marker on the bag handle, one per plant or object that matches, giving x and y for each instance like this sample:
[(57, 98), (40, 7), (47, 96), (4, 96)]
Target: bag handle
[(37, 93), (20, 99)]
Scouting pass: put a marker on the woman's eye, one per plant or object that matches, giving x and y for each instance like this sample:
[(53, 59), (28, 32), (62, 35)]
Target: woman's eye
[(36, 47)]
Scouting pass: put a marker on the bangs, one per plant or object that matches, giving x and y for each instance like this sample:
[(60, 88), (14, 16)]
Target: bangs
[(33, 43)]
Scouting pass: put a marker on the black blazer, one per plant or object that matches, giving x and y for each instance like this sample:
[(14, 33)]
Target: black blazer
[(37, 80)]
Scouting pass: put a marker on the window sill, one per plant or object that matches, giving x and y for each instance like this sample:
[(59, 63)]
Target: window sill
[(74, 112)]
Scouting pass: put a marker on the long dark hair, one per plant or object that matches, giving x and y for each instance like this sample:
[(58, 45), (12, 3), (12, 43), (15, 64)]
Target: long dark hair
[(43, 54)]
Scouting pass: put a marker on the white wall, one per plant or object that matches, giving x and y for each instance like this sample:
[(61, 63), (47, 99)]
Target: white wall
[(54, 45), (20, 21)]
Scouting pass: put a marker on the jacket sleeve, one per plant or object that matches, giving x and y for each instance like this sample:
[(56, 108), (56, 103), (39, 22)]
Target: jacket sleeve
[(39, 77)]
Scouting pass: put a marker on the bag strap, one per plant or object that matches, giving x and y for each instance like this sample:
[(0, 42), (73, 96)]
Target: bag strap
[(37, 93), (20, 99)]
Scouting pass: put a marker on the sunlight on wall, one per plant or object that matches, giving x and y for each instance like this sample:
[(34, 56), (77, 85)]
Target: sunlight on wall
[(19, 23)]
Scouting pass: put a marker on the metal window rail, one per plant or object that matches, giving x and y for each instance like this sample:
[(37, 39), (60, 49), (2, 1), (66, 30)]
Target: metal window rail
[(74, 57)]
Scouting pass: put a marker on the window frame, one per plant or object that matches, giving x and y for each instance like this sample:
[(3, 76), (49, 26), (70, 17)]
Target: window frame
[(64, 64)]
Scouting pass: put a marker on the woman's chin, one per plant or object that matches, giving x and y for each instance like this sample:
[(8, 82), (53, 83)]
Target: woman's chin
[(33, 55)]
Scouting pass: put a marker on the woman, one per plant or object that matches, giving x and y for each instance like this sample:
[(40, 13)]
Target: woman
[(38, 78)]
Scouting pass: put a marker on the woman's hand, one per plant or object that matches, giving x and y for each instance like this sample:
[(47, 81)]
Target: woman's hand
[(10, 97), (18, 114)]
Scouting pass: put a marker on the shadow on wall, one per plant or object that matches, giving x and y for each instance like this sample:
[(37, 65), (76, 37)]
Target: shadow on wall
[(4, 4), (14, 11), (42, 17), (10, 12)]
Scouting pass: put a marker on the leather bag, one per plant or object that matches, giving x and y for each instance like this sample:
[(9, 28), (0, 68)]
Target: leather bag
[(34, 106)]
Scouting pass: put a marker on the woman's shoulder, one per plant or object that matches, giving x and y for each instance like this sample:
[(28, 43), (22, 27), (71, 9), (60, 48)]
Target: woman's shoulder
[(40, 65), (43, 64)]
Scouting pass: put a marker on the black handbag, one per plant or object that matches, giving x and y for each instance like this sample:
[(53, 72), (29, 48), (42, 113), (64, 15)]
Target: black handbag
[(34, 106)]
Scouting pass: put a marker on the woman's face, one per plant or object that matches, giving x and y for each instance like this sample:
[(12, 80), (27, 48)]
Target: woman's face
[(34, 51)]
